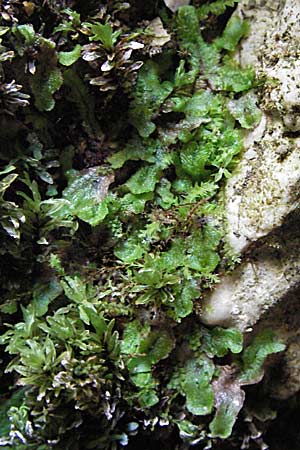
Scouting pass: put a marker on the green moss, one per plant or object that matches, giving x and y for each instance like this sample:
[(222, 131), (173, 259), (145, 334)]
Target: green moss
[(110, 227), (149, 95)]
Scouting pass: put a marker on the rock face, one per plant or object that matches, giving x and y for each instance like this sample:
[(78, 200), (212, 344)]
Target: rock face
[(270, 271), (265, 187), (261, 200)]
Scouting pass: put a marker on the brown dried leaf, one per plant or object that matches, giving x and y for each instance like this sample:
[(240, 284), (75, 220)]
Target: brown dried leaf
[(29, 8), (160, 35)]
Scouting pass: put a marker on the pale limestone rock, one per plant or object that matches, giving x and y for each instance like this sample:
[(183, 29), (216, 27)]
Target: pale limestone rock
[(173, 5), (261, 200), (258, 283), (264, 189), (265, 185)]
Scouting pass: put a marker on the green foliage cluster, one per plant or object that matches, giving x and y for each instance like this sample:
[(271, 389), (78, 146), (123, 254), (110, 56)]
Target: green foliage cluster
[(113, 149)]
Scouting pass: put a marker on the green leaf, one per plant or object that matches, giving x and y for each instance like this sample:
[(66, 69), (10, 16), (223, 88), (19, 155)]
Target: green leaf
[(103, 33), (228, 145), (197, 388), (245, 111), (216, 7), (86, 194), (77, 290), (73, 15), (150, 346), (7, 181), (135, 204), (223, 77), (235, 29), (193, 159), (194, 382), (165, 197), (143, 379), (211, 60), (253, 358), (137, 149), (26, 31), (222, 424), (68, 26), (229, 399), (132, 336), (232, 78), (43, 295), (148, 398), (144, 180), (149, 277), (7, 169), (202, 252), (183, 305), (129, 250), (174, 257), (14, 401), (190, 40), (97, 320), (199, 109), (157, 345), (187, 430), (44, 83), (139, 364), (55, 263), (148, 96), (69, 58), (187, 23), (218, 341)]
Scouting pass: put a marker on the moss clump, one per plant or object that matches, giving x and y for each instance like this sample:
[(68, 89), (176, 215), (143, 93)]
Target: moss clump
[(114, 144)]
